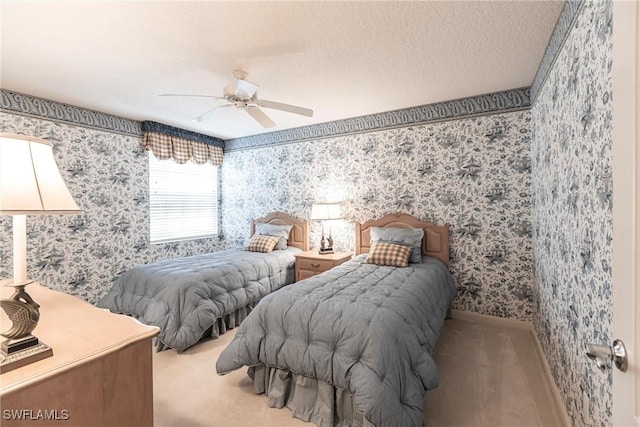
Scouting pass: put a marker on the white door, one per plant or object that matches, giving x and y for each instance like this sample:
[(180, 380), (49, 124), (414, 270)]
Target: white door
[(626, 217)]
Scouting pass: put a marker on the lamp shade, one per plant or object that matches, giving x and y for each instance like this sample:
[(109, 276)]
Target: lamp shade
[(30, 183), (325, 211)]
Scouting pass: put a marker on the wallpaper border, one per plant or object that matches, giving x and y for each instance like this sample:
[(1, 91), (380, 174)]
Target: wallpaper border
[(491, 103), (28, 105), (560, 32)]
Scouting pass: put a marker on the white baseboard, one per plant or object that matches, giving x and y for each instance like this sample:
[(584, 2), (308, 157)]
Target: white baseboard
[(501, 321), (490, 320)]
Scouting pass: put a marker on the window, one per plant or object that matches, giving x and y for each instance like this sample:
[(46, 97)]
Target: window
[(183, 199)]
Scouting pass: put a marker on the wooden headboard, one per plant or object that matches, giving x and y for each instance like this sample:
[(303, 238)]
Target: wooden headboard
[(435, 242), (299, 234)]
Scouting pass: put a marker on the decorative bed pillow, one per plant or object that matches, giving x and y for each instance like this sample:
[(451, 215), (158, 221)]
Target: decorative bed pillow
[(384, 253), (261, 243), (280, 231), (405, 236)]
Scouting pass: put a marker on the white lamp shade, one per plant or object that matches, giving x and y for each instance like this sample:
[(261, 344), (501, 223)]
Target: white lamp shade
[(30, 183), (325, 211)]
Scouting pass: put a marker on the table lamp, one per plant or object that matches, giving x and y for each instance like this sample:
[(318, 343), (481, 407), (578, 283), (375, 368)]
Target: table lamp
[(325, 212), (30, 184)]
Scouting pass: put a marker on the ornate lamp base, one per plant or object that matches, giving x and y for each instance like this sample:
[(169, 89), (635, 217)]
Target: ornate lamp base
[(326, 246), (21, 348), (20, 352)]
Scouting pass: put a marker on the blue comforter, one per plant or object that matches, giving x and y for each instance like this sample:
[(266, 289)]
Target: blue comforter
[(367, 329), (185, 296)]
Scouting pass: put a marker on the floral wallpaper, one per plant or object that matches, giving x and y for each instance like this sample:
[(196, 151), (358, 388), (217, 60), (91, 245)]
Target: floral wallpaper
[(472, 173), (572, 212), (527, 195), (107, 174)]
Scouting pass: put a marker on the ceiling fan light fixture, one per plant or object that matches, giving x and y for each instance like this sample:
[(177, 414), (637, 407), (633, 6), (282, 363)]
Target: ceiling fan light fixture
[(245, 89)]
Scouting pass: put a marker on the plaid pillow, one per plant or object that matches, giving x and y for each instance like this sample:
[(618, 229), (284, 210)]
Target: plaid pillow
[(262, 243), (385, 253)]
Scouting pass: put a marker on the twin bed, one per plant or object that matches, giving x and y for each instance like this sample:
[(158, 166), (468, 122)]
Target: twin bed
[(352, 346), (204, 295)]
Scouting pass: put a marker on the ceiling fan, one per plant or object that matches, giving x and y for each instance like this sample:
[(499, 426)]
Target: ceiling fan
[(244, 94)]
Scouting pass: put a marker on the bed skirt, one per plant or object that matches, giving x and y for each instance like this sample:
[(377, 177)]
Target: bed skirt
[(308, 399), (219, 327)]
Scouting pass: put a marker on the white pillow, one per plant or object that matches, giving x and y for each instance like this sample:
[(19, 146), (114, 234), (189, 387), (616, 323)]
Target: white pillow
[(411, 237), (280, 231)]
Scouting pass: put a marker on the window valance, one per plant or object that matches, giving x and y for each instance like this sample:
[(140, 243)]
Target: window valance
[(168, 142)]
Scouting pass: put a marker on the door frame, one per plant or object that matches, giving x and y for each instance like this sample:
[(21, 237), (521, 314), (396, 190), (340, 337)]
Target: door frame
[(626, 221)]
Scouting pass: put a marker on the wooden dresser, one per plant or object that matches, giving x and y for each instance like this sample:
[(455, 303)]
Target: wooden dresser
[(310, 263), (100, 373)]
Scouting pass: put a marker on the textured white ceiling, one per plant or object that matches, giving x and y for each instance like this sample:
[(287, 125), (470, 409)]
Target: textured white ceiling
[(341, 59)]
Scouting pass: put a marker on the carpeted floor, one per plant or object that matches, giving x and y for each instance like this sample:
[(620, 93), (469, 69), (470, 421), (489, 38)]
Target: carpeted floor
[(490, 375)]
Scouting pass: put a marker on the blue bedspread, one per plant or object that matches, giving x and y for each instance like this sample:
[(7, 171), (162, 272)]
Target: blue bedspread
[(367, 329), (185, 296)]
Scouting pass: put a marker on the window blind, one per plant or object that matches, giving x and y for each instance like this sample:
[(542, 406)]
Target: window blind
[(183, 200)]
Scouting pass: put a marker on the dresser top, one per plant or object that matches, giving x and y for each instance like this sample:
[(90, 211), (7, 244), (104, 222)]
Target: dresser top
[(77, 331)]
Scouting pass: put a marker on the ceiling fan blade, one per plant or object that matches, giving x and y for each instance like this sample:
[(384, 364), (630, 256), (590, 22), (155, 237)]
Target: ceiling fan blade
[(208, 114), (285, 107), (260, 116), (186, 94)]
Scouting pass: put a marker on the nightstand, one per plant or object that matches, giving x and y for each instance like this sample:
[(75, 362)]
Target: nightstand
[(310, 263)]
